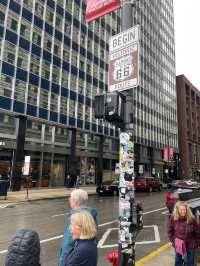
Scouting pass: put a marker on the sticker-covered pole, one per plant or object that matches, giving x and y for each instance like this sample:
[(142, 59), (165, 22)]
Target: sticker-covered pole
[(129, 218), (127, 206)]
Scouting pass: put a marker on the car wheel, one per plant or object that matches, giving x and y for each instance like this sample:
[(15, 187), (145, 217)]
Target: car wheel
[(160, 188)]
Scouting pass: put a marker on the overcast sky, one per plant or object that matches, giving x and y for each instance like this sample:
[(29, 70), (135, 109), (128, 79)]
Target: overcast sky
[(187, 39)]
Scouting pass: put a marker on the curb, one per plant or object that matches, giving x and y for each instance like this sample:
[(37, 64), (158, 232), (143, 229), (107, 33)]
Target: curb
[(5, 202), (153, 254)]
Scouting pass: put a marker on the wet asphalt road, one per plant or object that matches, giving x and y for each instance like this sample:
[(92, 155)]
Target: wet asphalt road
[(47, 218)]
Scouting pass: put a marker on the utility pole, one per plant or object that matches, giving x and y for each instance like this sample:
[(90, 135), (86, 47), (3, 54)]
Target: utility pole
[(130, 213), (116, 107)]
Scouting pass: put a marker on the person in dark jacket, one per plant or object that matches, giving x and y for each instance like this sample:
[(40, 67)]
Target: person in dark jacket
[(78, 200), (24, 249), (83, 229), (184, 233)]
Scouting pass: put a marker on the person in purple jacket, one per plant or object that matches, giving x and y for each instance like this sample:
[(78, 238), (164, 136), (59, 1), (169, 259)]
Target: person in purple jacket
[(184, 233), (83, 229)]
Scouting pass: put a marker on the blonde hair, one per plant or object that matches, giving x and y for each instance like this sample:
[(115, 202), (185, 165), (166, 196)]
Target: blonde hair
[(176, 214), (87, 224), (79, 196)]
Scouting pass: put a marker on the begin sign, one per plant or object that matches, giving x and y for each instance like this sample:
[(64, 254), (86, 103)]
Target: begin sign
[(123, 60)]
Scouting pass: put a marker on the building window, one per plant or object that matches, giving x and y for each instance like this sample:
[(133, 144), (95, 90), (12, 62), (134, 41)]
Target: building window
[(9, 52), (73, 83), (49, 16), (28, 3), (72, 105), (20, 88), (36, 38), (13, 24), (5, 86), (39, 9), (2, 17), (35, 65), (66, 55), (63, 105), (32, 94), (54, 102), (22, 60), (65, 77), (80, 111), (44, 99), (67, 28)]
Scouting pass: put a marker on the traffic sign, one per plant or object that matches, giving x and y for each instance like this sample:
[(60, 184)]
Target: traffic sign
[(123, 71)]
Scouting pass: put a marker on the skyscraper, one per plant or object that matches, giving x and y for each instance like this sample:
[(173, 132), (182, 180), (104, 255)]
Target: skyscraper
[(155, 116), (52, 64)]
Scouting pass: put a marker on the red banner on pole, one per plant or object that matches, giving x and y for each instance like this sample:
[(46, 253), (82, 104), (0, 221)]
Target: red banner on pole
[(168, 154), (98, 8)]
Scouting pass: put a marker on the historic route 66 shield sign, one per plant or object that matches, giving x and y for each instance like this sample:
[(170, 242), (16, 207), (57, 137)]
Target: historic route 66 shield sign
[(123, 68)]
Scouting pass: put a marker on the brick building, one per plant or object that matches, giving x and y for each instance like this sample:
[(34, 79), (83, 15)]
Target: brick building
[(188, 109)]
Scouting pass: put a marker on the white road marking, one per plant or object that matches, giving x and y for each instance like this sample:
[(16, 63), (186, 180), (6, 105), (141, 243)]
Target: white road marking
[(106, 234), (155, 210), (166, 212), (112, 222), (51, 239), (3, 251), (4, 206), (57, 215), (41, 242)]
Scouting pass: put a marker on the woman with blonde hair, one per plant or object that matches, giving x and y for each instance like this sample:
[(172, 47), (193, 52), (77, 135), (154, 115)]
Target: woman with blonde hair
[(78, 202), (83, 230), (184, 233)]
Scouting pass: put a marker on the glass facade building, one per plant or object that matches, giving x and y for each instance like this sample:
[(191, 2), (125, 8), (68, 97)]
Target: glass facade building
[(155, 116), (52, 64)]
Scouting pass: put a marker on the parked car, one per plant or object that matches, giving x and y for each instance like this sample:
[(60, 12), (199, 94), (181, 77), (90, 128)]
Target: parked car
[(109, 188), (190, 194), (147, 183), (184, 183)]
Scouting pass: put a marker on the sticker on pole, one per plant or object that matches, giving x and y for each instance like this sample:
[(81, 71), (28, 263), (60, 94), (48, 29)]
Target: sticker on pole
[(124, 60)]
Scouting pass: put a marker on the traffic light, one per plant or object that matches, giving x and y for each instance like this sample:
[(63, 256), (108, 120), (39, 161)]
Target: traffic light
[(109, 106), (114, 107)]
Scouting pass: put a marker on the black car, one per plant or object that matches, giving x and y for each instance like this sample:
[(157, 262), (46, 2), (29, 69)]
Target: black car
[(109, 188)]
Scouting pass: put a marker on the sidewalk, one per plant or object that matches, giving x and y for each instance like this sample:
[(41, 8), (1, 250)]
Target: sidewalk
[(42, 193), (164, 256)]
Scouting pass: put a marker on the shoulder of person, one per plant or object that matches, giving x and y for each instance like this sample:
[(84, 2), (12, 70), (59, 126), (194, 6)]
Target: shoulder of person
[(93, 211)]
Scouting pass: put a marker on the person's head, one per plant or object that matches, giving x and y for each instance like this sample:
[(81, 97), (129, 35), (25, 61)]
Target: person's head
[(182, 210), (82, 226), (24, 249), (78, 198)]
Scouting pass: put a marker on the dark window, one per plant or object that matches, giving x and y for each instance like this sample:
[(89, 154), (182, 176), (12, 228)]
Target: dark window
[(2, 17)]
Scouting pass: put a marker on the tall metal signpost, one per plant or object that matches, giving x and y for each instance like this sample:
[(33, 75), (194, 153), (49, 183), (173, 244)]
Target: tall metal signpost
[(123, 77)]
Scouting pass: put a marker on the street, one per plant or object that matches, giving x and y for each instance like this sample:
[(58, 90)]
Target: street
[(47, 217)]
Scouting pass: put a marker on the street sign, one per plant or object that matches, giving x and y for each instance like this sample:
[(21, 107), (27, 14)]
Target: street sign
[(123, 71), (98, 8), (26, 167)]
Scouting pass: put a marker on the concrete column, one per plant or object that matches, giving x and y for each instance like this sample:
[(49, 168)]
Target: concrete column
[(18, 155)]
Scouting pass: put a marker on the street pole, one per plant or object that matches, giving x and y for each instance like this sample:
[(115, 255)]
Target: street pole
[(127, 14), (130, 213)]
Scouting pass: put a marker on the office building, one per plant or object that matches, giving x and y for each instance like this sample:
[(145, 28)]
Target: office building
[(51, 66), (188, 110), (155, 114)]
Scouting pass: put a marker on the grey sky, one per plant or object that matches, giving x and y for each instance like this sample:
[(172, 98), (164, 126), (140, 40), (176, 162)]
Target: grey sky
[(187, 38)]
